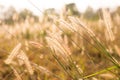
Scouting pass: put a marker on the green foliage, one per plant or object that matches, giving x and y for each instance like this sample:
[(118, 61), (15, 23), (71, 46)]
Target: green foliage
[(8, 15), (71, 9), (89, 14), (23, 15)]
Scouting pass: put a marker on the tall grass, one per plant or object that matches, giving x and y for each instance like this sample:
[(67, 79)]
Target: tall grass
[(67, 44)]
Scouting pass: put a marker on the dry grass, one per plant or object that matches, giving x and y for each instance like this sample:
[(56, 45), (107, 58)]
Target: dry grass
[(72, 49), (13, 54)]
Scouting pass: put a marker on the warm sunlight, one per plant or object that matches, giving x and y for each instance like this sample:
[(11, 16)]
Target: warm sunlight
[(58, 4), (59, 39)]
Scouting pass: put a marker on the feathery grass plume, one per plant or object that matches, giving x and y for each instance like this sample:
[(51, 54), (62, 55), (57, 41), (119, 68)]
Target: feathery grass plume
[(24, 57), (73, 28), (57, 45), (18, 77), (35, 44), (108, 23), (83, 31), (67, 26), (13, 54), (55, 41), (79, 24)]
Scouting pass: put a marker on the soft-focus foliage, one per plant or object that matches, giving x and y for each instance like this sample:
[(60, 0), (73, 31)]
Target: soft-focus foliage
[(68, 45)]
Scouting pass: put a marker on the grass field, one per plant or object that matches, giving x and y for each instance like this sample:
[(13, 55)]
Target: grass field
[(70, 48)]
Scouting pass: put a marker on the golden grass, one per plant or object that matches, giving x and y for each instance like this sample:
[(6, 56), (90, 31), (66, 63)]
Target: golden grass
[(26, 61), (108, 23), (18, 77), (56, 42), (13, 54)]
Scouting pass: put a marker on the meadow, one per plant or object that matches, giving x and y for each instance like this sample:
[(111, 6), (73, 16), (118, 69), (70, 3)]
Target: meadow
[(65, 47)]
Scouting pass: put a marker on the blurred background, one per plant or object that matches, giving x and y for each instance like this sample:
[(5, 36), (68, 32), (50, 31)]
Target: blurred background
[(23, 21)]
